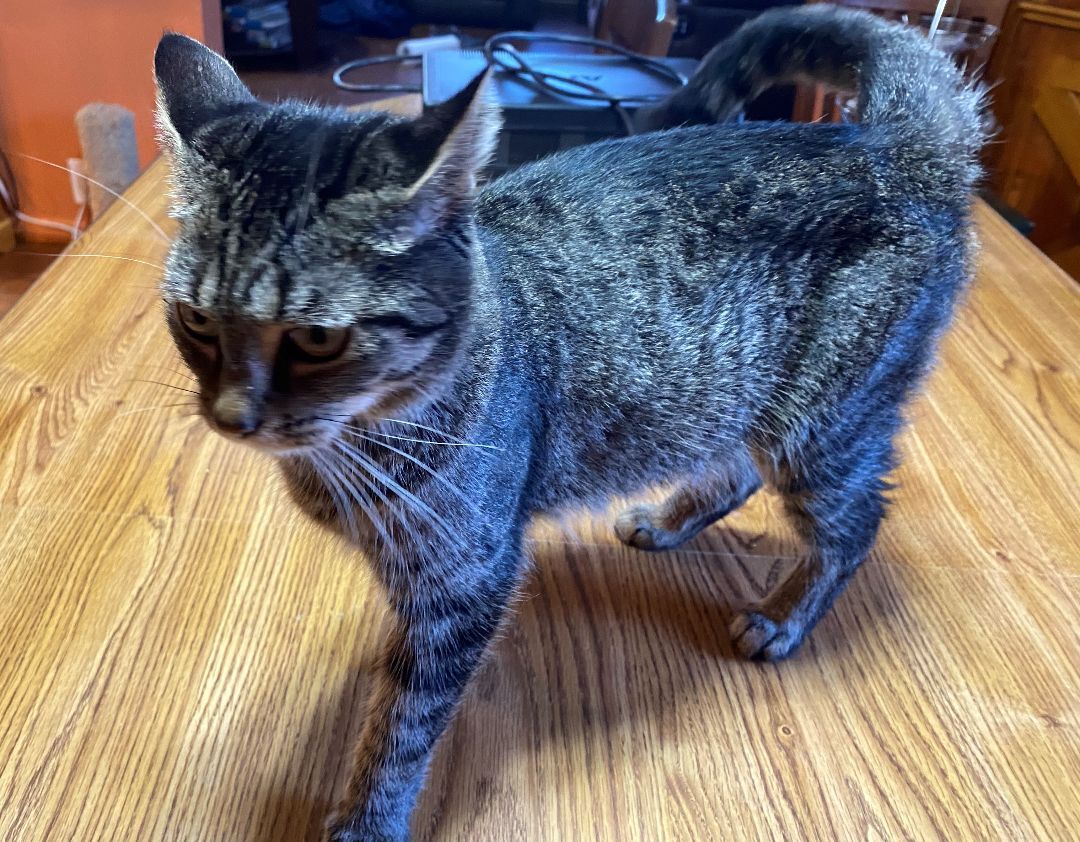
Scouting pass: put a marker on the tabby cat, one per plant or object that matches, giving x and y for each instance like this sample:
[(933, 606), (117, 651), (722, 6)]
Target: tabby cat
[(433, 362)]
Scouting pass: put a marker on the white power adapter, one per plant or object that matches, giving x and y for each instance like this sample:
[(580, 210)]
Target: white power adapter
[(419, 46)]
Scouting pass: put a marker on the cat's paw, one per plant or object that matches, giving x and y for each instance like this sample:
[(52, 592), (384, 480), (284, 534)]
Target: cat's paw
[(637, 527), (359, 830), (759, 638), (362, 835)]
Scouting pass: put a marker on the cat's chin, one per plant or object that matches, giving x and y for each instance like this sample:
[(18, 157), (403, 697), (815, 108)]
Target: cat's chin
[(272, 446), (287, 450)]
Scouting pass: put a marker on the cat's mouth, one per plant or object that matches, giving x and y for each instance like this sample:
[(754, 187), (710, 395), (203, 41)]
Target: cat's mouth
[(274, 445), (283, 439)]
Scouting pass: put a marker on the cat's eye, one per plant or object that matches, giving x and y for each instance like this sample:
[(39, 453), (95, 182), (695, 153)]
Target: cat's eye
[(320, 343), (197, 323)]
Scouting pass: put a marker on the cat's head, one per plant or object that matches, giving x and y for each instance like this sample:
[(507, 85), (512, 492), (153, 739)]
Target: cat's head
[(324, 261)]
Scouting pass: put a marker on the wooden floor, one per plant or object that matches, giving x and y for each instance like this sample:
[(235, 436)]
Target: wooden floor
[(183, 657)]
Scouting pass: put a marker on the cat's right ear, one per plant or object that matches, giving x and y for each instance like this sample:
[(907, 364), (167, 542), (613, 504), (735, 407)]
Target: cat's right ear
[(194, 86)]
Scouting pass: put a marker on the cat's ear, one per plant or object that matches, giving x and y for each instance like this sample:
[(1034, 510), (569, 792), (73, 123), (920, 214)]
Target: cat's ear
[(442, 156), (194, 85), (460, 135), (465, 131)]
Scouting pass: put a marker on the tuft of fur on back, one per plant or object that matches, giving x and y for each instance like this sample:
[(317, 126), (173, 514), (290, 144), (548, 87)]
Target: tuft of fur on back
[(904, 82)]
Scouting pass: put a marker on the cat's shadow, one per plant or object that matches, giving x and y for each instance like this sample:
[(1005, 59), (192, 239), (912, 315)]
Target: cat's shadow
[(585, 608), (684, 597), (328, 741)]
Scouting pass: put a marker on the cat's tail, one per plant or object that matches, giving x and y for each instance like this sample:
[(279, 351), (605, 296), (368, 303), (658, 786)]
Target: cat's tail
[(902, 80)]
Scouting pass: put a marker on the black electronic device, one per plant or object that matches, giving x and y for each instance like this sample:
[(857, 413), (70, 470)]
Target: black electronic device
[(538, 122)]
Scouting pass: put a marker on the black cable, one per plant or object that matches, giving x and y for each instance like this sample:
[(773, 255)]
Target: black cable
[(371, 62), (498, 49), (500, 52)]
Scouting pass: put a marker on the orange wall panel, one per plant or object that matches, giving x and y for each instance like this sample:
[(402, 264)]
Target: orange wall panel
[(59, 55)]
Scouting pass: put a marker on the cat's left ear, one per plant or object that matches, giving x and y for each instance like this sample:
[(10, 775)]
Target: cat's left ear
[(464, 131), (460, 136), (438, 160), (194, 86)]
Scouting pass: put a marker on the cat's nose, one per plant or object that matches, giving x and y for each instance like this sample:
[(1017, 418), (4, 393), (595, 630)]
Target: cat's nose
[(235, 413)]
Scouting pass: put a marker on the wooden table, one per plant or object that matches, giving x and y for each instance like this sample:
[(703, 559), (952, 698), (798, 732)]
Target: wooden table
[(183, 657)]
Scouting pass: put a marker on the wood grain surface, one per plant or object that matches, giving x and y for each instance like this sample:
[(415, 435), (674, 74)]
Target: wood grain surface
[(184, 658)]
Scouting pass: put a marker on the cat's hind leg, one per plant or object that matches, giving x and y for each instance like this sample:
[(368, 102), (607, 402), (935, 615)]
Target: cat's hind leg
[(834, 490), (691, 507)]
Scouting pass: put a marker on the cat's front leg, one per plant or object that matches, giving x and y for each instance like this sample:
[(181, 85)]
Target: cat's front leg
[(444, 625)]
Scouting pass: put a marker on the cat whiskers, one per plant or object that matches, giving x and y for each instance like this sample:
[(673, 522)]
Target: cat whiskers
[(350, 468), (333, 468), (178, 372), (122, 257), (355, 428), (423, 466), (334, 472), (340, 493), (451, 440), (188, 404), (419, 441), (415, 504), (166, 385)]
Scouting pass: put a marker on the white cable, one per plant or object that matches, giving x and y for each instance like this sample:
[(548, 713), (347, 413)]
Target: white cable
[(46, 223), (157, 228), (76, 226), (71, 230)]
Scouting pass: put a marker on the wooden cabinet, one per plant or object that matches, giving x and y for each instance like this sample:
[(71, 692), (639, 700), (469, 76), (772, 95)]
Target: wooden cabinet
[(7, 231), (1035, 160), (644, 26)]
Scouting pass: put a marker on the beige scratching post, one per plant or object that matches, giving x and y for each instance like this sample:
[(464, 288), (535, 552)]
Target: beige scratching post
[(107, 136)]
